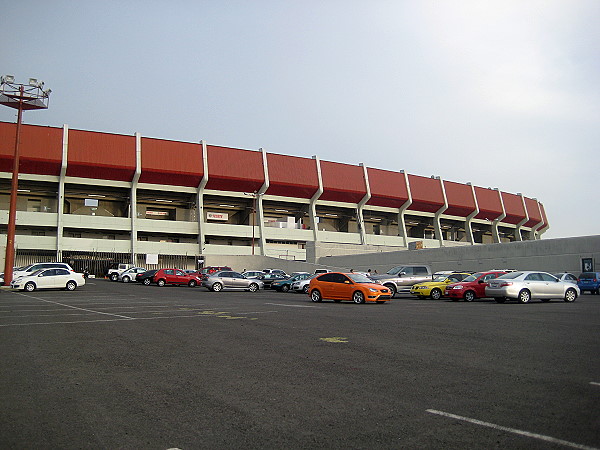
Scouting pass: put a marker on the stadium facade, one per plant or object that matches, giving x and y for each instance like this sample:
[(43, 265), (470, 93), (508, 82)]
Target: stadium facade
[(85, 194)]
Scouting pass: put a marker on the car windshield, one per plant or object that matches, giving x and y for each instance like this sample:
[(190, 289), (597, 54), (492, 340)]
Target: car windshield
[(441, 278), (588, 275), (359, 278), (473, 277), (21, 269), (36, 273)]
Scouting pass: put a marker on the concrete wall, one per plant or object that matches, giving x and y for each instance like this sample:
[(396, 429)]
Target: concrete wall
[(551, 255)]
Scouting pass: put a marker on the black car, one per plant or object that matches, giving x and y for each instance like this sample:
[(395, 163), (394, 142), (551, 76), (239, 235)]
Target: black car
[(146, 277)]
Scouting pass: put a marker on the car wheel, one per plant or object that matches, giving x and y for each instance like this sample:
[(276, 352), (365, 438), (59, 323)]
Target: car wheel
[(392, 289), (358, 297), (71, 286), (305, 289), (147, 281), (30, 287), (570, 295), (285, 288), (161, 282), (524, 296), (315, 296), (469, 296), (253, 287), (114, 276), (436, 294), (217, 287), (500, 299), (192, 283), (126, 279)]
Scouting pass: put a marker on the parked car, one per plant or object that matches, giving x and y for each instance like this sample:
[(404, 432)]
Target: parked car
[(435, 289), (174, 276), (54, 278), (301, 286), (402, 278), (279, 271), (339, 286), (285, 284), (206, 271), (566, 276), (29, 269), (589, 281), (228, 279), (146, 277), (116, 269), (252, 273), (269, 278), (528, 285), (471, 287), (130, 274)]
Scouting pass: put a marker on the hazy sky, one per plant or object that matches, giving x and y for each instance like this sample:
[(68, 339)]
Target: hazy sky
[(500, 93)]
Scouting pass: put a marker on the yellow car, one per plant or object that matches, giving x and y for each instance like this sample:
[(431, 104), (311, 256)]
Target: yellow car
[(435, 289)]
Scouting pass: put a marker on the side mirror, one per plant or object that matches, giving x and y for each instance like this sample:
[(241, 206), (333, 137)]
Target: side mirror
[(481, 281)]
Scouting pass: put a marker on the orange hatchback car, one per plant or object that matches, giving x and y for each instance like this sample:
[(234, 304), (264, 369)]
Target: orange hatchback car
[(338, 286)]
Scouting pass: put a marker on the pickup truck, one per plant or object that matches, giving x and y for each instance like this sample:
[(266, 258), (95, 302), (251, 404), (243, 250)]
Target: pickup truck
[(402, 278), (116, 270)]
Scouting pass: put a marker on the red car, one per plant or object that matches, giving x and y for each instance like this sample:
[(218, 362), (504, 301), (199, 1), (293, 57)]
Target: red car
[(471, 287), (174, 276)]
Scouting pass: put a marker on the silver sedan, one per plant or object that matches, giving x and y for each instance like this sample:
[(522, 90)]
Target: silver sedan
[(527, 285), (228, 279)]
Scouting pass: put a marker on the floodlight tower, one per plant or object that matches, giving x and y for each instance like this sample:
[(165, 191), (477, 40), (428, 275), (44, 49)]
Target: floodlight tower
[(20, 97)]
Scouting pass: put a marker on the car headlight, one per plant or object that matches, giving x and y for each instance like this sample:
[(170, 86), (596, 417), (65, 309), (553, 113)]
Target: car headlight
[(459, 287), (373, 290)]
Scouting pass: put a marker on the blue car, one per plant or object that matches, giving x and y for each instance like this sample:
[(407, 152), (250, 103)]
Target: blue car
[(589, 281)]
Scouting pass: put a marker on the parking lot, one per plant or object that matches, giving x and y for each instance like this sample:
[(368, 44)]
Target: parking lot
[(114, 365)]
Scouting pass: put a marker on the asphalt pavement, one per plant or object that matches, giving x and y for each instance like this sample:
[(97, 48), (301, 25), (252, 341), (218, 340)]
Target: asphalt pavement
[(115, 365)]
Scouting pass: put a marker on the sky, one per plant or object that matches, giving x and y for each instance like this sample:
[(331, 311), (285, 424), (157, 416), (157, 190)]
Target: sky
[(502, 94)]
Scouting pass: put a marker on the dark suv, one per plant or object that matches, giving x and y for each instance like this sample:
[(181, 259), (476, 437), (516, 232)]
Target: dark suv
[(589, 281)]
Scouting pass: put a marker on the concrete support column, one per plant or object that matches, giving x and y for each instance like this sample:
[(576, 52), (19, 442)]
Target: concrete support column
[(401, 221), (259, 204), (534, 230), (498, 219), (60, 204), (470, 217), (313, 201), (436, 219), (518, 235), (200, 200), (133, 196), (359, 210)]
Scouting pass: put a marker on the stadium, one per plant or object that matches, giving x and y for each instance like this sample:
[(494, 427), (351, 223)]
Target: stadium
[(86, 195)]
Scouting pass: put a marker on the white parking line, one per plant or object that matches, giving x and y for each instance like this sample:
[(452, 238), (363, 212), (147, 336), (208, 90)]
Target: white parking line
[(593, 383), (512, 430), (291, 306), (75, 307)]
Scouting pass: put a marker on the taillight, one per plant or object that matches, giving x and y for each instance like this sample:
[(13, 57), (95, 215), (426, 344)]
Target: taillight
[(506, 283)]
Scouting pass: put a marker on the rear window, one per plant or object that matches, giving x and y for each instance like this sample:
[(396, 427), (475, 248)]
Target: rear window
[(510, 275), (588, 275)]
